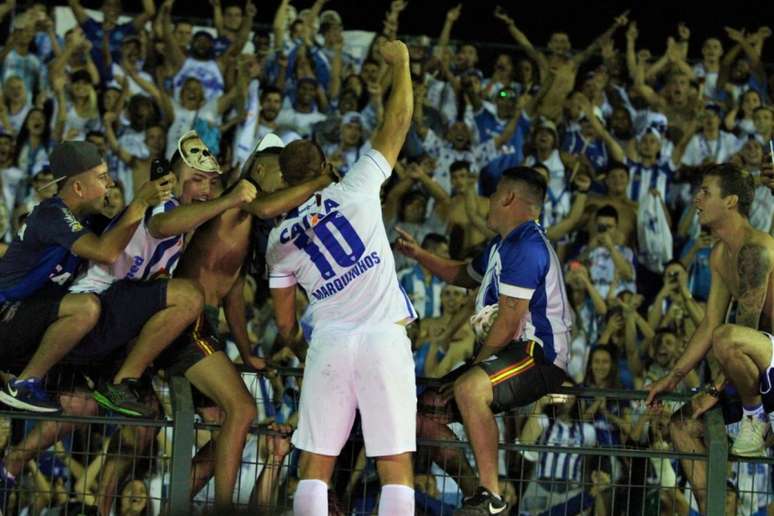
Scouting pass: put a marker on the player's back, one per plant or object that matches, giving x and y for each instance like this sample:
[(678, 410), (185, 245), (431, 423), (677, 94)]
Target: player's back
[(335, 247)]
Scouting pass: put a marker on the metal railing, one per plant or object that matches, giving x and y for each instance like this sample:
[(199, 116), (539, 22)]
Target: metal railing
[(444, 465)]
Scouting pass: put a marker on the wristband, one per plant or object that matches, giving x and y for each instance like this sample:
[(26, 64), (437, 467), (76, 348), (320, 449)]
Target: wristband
[(712, 391)]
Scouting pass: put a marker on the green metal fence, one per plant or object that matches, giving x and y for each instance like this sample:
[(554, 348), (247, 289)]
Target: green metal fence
[(628, 477)]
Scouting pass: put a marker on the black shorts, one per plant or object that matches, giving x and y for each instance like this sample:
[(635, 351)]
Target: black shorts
[(519, 374), (23, 323), (125, 308), (197, 342)]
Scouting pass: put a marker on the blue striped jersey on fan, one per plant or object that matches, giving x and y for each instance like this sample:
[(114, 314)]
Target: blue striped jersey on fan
[(145, 257), (523, 265)]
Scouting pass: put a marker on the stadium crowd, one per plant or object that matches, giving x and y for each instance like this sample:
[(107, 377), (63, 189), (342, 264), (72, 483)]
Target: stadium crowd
[(621, 134)]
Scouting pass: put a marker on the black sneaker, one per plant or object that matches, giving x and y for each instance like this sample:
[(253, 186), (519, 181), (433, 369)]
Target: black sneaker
[(122, 398), (28, 395), (483, 502)]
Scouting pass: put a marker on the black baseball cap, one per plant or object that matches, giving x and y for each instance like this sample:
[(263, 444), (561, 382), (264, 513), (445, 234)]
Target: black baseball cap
[(69, 159)]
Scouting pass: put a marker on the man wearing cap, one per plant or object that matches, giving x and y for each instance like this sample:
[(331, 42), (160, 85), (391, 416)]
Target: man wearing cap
[(44, 256), (137, 298), (217, 259)]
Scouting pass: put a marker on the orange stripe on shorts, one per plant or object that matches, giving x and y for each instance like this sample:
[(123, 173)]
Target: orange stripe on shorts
[(514, 370)]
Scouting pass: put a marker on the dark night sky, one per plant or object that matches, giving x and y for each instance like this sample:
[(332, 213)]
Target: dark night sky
[(583, 20)]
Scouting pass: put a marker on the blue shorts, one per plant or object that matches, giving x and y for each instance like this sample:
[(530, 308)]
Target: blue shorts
[(125, 308)]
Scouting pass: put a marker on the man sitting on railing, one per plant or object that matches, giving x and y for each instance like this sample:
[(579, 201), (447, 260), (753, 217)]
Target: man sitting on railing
[(522, 296)]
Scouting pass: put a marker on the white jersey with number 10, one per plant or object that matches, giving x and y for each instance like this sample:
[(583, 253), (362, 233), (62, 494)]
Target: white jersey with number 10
[(335, 246)]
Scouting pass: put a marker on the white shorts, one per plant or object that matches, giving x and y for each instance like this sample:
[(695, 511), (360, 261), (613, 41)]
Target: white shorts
[(369, 371)]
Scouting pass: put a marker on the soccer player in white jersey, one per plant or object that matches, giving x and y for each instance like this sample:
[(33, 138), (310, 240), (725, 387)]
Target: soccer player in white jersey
[(522, 296), (335, 246)]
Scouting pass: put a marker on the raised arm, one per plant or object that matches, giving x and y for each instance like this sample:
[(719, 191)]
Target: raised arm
[(148, 12), (172, 53), (616, 151), (452, 15), (78, 11), (106, 248), (270, 205), (217, 16), (186, 218), (450, 271), (620, 21), (522, 40), (240, 40), (389, 137), (109, 118), (280, 24), (156, 93)]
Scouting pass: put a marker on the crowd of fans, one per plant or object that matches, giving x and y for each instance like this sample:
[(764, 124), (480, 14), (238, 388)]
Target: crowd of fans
[(620, 133)]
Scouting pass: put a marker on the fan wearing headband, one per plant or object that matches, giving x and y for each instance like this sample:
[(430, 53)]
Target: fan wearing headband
[(214, 259)]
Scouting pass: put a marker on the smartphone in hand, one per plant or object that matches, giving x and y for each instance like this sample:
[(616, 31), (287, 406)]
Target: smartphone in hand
[(159, 168)]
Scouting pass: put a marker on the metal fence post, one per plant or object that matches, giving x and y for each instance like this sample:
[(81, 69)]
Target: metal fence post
[(182, 443), (717, 462)]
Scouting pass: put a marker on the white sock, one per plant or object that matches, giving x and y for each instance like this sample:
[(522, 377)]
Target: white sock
[(755, 412), (396, 500), (311, 498)]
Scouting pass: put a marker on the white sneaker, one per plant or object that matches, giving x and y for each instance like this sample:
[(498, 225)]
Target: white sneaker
[(750, 441)]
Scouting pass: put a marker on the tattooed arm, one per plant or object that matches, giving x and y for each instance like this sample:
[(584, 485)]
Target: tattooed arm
[(509, 322), (754, 264)]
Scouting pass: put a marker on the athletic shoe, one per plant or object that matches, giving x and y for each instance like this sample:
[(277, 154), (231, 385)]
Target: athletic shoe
[(750, 442), (482, 503), (7, 484), (123, 398), (28, 395)]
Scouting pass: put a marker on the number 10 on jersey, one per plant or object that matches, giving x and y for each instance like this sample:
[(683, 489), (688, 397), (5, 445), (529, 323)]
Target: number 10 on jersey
[(324, 231)]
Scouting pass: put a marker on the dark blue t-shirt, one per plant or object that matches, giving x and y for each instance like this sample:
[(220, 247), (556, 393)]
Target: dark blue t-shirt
[(41, 251)]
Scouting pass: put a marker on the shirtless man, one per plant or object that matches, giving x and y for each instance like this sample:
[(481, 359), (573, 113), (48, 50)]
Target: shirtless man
[(741, 263), (466, 210), (214, 259), (560, 61)]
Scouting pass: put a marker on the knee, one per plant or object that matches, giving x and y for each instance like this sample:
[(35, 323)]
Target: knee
[(88, 310), (723, 340), (470, 389), (241, 410)]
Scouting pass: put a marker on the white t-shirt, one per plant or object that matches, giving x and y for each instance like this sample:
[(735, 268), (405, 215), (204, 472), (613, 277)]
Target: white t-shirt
[(134, 88), (718, 151), (207, 72), (144, 258), (184, 121), (298, 122), (335, 247)]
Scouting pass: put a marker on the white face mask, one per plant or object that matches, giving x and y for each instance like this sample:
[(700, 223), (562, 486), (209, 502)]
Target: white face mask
[(197, 155)]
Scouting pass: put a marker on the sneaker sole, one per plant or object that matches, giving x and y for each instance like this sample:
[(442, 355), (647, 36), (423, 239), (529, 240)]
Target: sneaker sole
[(104, 402), (18, 404)]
